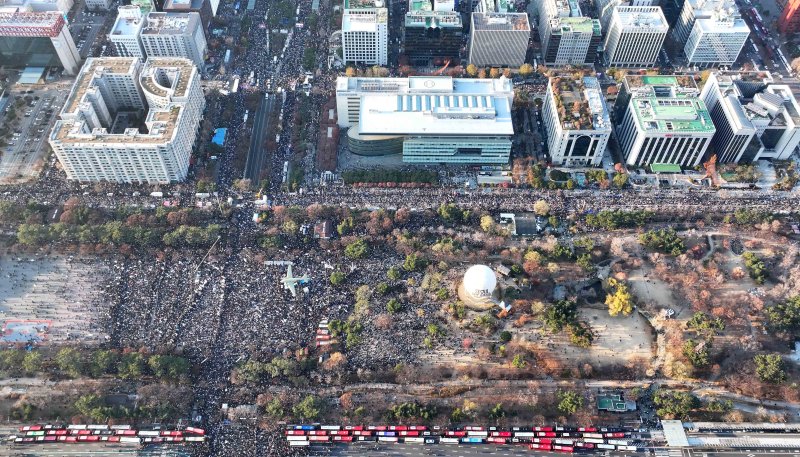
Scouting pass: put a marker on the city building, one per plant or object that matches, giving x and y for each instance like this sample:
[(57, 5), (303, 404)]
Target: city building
[(365, 32), (499, 39), (202, 7), (37, 40), (174, 35), (98, 5), (124, 35), (663, 120), (605, 8), (36, 6), (126, 121), (713, 32), (755, 118), (577, 121), (430, 119), (432, 36), (567, 37), (635, 36), (789, 20)]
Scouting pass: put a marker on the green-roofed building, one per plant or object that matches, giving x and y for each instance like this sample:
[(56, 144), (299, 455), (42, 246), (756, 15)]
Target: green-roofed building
[(663, 121)]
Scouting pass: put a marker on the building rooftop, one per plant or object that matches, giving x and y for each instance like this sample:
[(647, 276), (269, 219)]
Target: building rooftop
[(430, 105), (661, 85), (171, 5), (161, 123), (575, 25), (363, 4), (126, 26), (420, 5), (441, 19), (672, 115), (45, 23), (580, 103), (500, 21), (644, 17), (364, 22), (170, 23), (723, 23)]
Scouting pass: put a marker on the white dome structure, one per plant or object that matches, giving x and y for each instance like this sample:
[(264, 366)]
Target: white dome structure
[(479, 282)]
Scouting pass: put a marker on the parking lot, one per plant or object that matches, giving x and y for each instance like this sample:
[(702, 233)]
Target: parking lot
[(87, 29), (35, 111)]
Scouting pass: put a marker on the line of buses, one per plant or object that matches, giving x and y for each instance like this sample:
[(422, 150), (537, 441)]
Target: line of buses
[(123, 434), (559, 439)]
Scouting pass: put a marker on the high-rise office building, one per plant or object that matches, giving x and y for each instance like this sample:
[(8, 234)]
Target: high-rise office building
[(365, 32), (98, 5), (789, 20), (635, 36), (37, 40), (577, 121), (430, 119), (713, 32), (127, 122), (202, 7), (174, 35), (124, 35), (37, 6), (567, 37), (755, 118), (499, 39), (663, 121), (431, 34)]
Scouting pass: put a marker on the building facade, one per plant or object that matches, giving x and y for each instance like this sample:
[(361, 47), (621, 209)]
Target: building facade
[(99, 135), (174, 35), (202, 7), (577, 121), (635, 36), (664, 121), (755, 118), (432, 35), (365, 32), (37, 6), (98, 5), (436, 119), (124, 35), (37, 39), (789, 20), (499, 39), (572, 41)]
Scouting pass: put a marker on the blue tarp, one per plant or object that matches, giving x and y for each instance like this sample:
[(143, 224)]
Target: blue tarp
[(219, 136)]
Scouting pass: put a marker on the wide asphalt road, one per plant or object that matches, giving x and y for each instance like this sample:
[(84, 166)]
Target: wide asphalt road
[(441, 450), (257, 156)]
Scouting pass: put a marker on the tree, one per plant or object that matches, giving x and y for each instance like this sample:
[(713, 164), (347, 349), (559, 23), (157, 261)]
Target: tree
[(519, 362), (497, 412), (494, 73), (412, 262), (526, 70), (664, 240), (585, 262), (560, 314), (700, 322), (449, 212), (274, 409), (671, 404), (167, 366), (487, 223), (569, 402), (472, 70), (32, 362), (356, 250), (393, 274), (131, 366), (394, 306), (541, 208), (103, 362), (505, 336), (482, 73), (770, 368), (697, 353), (796, 64), (619, 180), (786, 316), (755, 266), (337, 277), (70, 362), (309, 408), (619, 300)]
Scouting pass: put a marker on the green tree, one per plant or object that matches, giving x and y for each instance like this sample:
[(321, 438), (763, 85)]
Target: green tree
[(382, 288), (458, 416), (569, 402), (309, 408), (487, 223), (70, 362), (786, 316), (345, 227), (585, 262), (394, 306), (435, 331), (505, 336), (103, 362), (393, 274), (756, 267), (560, 314), (356, 250), (497, 412), (700, 322), (32, 362), (449, 212), (697, 353), (91, 406), (337, 277), (770, 368), (519, 362), (131, 366), (619, 180), (663, 240), (274, 409), (672, 404), (167, 366), (618, 299), (412, 262)]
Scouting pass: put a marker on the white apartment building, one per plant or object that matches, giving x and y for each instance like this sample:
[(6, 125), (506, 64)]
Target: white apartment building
[(98, 135), (124, 34), (635, 36), (174, 35), (576, 137), (98, 5), (365, 32), (755, 118), (717, 32), (664, 121)]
